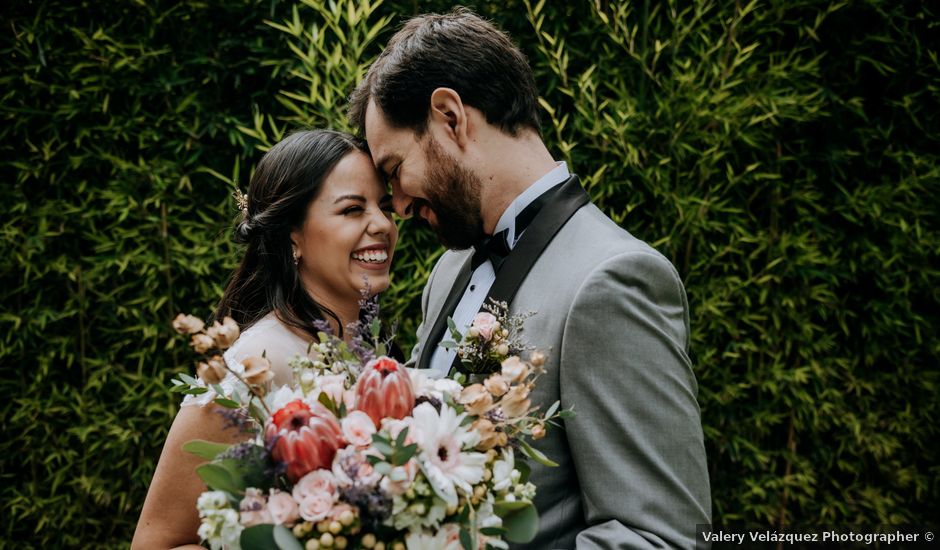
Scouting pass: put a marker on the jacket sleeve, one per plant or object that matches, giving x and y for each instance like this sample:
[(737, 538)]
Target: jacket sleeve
[(636, 438)]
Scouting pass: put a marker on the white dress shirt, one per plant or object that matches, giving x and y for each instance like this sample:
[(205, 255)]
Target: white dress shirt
[(483, 277)]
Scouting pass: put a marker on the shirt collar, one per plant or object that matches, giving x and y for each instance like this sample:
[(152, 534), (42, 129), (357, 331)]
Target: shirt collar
[(557, 175)]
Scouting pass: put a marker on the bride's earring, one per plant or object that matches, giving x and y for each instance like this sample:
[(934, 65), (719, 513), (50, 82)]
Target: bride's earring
[(296, 254)]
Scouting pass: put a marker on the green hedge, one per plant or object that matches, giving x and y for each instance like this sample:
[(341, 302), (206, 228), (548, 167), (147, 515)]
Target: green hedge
[(783, 154)]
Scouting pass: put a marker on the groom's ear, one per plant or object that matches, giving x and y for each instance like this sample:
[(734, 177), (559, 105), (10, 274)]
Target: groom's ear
[(448, 117)]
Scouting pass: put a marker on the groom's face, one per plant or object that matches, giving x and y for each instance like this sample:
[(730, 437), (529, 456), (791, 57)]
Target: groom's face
[(426, 181)]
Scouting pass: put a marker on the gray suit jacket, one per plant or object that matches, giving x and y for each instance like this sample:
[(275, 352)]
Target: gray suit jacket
[(612, 318)]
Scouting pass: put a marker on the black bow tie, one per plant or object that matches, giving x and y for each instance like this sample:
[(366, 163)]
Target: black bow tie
[(496, 248)]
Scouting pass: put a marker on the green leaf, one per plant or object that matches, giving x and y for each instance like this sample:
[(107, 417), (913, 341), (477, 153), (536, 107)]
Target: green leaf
[(285, 539), (566, 414), (219, 478), (535, 454), (227, 403), (520, 520), (325, 400), (551, 410), (205, 449), (259, 537), (402, 436), (524, 469), (404, 454), (382, 468), (493, 531), (465, 539), (188, 379)]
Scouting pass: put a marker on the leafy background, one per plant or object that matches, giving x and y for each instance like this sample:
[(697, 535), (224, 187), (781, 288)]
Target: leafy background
[(784, 155)]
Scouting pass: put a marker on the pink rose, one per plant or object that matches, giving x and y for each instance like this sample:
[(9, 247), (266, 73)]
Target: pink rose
[(485, 324), (283, 508), (316, 506), (350, 466), (358, 429), (253, 508), (317, 481)]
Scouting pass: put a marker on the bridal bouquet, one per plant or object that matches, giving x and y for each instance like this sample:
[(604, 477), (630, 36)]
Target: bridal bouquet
[(361, 452)]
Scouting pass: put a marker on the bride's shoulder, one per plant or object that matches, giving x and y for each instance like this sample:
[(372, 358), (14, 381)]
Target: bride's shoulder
[(266, 336)]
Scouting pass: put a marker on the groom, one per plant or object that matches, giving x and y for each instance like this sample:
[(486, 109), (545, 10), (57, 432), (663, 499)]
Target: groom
[(451, 115)]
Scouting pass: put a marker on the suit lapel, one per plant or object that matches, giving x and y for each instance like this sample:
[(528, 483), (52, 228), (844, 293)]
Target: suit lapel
[(567, 200), (569, 197), (440, 324)]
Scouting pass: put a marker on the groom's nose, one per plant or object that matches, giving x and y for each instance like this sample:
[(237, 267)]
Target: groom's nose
[(402, 202)]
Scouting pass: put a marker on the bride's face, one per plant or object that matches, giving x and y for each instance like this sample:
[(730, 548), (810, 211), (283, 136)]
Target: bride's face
[(348, 234)]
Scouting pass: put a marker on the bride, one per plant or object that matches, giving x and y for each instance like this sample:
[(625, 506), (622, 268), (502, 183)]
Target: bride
[(317, 226)]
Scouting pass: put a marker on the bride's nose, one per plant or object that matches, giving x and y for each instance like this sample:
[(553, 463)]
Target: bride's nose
[(379, 222)]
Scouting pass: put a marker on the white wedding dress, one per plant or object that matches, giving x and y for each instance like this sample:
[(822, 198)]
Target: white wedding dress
[(268, 336)]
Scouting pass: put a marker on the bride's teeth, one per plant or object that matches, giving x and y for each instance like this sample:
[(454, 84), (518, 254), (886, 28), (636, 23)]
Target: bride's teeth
[(377, 256)]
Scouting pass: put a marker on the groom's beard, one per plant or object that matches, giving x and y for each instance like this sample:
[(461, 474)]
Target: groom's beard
[(454, 195)]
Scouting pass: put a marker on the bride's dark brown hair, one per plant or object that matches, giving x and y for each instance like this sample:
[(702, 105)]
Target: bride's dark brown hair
[(288, 177)]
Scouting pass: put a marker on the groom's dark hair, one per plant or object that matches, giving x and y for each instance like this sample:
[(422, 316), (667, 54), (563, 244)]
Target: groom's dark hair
[(457, 50)]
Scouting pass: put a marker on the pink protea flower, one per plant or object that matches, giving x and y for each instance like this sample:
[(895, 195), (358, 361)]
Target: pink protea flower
[(384, 390), (303, 437)]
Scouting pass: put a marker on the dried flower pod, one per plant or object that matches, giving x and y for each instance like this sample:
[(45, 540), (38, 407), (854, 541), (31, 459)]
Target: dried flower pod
[(489, 436), (516, 402), (384, 390), (225, 333), (497, 385), (257, 370), (213, 371), (538, 431), (201, 343), (187, 324), (515, 370), (476, 399)]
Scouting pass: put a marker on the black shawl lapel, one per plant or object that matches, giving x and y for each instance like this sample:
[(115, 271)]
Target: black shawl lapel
[(567, 199)]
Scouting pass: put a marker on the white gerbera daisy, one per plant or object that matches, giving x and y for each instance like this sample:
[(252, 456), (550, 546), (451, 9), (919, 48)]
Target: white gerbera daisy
[(443, 460)]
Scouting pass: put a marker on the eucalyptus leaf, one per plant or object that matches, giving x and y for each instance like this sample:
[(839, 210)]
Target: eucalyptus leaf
[(205, 449), (535, 454), (285, 539), (219, 478), (520, 520), (226, 402), (259, 537), (466, 541)]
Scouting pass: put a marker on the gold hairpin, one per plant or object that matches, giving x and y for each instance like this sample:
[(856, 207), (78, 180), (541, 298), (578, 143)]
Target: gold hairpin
[(241, 199)]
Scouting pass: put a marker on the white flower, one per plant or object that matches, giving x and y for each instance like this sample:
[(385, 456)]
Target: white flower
[(221, 528), (502, 471), (433, 387), (212, 500), (444, 539), (442, 439), (282, 396)]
